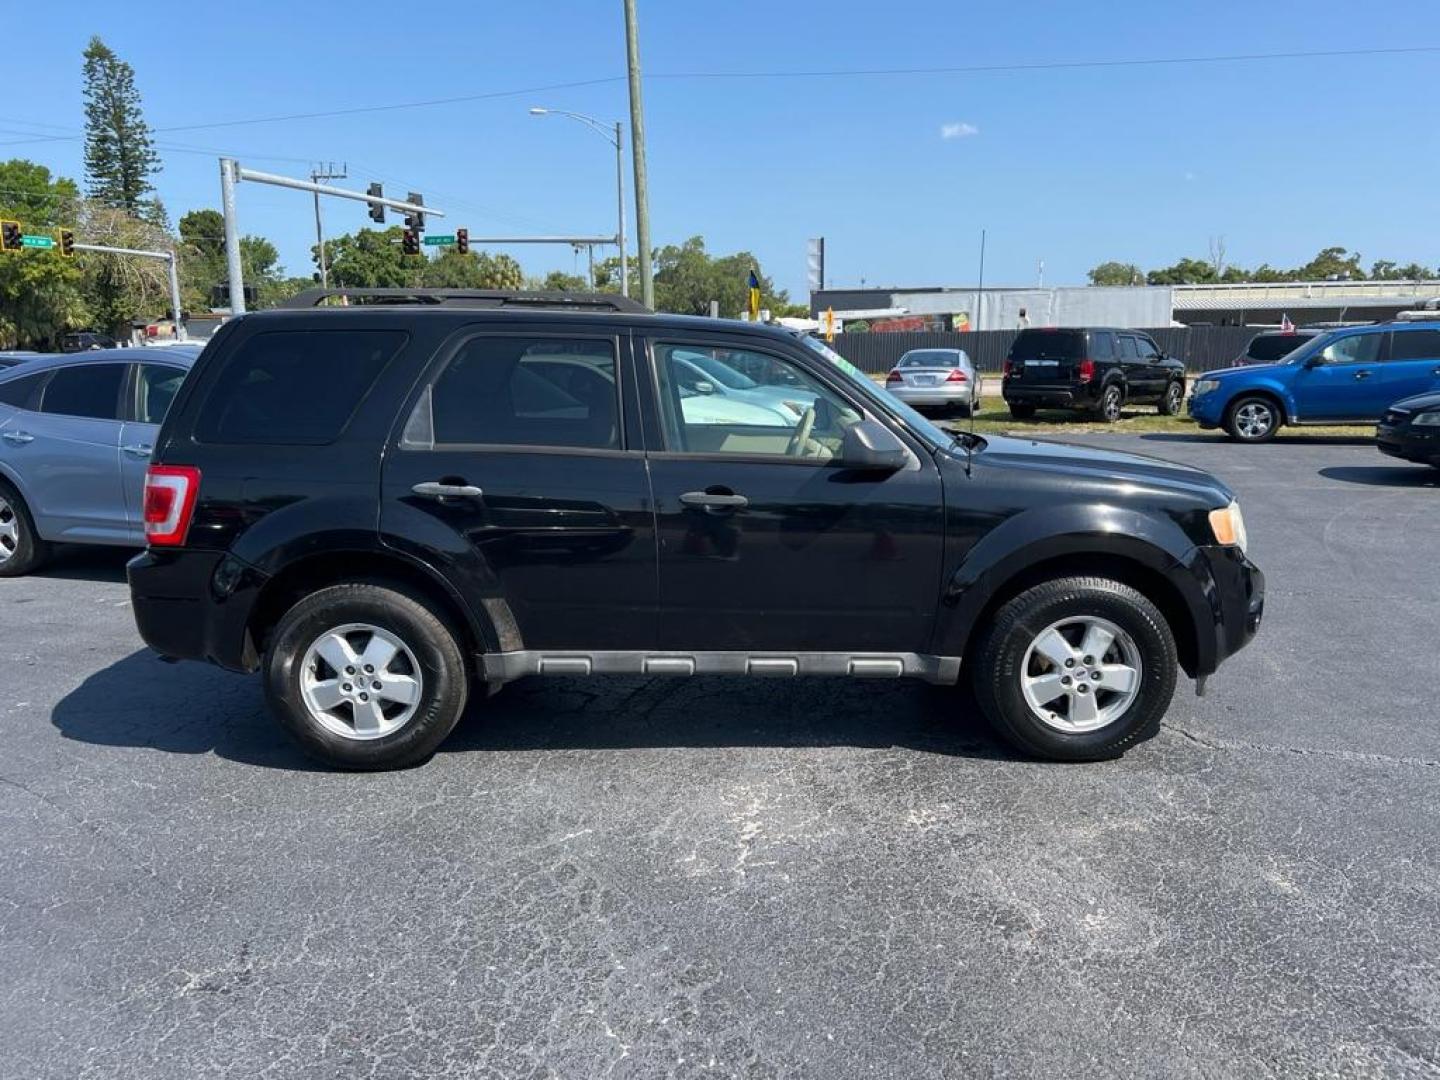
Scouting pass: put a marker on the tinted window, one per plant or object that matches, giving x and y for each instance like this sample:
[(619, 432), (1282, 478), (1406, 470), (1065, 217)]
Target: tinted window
[(523, 391), (1048, 345), (1415, 345), (1102, 345), (1127, 347), (18, 392), (91, 391), (1271, 347), (294, 387), (1355, 349), (158, 386), (1147, 348), (932, 358)]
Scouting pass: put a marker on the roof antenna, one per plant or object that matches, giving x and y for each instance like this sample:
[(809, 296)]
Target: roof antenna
[(975, 325)]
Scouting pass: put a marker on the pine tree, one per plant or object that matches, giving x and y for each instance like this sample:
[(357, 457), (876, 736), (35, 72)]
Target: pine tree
[(119, 156)]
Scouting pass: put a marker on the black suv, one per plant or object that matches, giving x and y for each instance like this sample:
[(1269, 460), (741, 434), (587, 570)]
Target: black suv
[(380, 505), (1099, 369)]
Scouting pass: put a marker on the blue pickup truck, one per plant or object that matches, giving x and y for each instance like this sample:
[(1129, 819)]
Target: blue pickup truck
[(1347, 376)]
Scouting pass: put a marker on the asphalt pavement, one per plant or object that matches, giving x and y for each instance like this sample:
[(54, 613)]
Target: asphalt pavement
[(712, 877)]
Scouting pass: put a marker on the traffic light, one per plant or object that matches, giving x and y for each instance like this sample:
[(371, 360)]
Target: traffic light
[(10, 236), (67, 243), (411, 243), (462, 241), (377, 210), (416, 220)]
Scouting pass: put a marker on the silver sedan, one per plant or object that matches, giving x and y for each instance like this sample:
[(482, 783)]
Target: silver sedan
[(936, 378)]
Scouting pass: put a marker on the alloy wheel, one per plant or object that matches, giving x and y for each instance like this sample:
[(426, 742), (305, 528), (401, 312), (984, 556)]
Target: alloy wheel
[(1110, 405), (360, 682), (1081, 674), (1253, 420), (9, 531)]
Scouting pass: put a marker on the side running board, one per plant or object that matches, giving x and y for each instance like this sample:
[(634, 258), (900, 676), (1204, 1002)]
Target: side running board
[(508, 666)]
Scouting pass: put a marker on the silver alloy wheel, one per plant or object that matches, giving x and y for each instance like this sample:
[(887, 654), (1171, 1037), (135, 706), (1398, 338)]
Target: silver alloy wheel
[(9, 531), (1081, 674), (360, 682), (1110, 404), (1254, 419), (1174, 396)]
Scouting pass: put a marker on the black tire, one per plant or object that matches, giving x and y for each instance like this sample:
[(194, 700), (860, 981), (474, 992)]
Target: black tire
[(1022, 412), (29, 552), (441, 663), (1240, 424), (1112, 400), (1173, 400), (997, 660)]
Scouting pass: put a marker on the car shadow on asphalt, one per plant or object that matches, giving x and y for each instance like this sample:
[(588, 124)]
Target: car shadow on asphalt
[(1219, 438), (99, 564), (192, 708), (1397, 476)]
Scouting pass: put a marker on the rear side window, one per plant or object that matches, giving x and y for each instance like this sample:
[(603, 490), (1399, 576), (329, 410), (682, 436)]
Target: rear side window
[(21, 392), (524, 391), (1415, 345), (294, 387), (91, 392), (1102, 345), (1048, 345)]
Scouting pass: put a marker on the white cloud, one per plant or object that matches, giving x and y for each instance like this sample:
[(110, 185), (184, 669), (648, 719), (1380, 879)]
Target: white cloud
[(958, 130)]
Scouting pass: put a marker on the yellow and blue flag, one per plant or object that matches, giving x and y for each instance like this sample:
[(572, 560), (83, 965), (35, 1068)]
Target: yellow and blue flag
[(754, 297)]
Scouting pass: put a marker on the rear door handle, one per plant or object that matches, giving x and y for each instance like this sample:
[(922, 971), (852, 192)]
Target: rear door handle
[(18, 438), (706, 499), (433, 489), (1363, 374), (143, 450)]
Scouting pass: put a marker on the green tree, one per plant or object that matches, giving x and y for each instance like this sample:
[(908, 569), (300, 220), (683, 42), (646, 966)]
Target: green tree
[(559, 281), (202, 257), (1416, 272), (40, 292), (1116, 273), (687, 278), (1184, 272), (369, 259), (120, 288), (119, 156), (1332, 262)]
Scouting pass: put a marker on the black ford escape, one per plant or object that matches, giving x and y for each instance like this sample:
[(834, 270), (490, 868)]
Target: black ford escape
[(381, 505)]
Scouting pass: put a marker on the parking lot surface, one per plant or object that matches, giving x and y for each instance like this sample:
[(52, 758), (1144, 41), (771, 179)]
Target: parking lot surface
[(646, 877)]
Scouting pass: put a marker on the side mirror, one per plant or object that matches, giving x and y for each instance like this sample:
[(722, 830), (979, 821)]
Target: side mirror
[(704, 388), (1314, 361), (872, 446)]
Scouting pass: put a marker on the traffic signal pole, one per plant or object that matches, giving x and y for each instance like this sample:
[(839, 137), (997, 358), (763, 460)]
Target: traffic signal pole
[(169, 257)]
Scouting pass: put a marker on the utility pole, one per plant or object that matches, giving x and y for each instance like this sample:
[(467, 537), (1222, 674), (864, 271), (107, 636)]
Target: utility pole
[(325, 172), (637, 147), (228, 170)]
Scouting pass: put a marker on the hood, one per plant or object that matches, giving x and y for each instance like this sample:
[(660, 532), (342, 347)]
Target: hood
[(1246, 369), (1091, 463), (1419, 403)]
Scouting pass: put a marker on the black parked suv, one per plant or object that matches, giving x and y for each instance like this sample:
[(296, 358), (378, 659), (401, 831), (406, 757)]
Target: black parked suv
[(1098, 369), (382, 505)]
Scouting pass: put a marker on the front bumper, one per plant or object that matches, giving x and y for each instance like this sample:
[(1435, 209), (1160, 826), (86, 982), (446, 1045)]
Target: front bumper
[(196, 605), (1232, 590), (1408, 443), (1207, 410)]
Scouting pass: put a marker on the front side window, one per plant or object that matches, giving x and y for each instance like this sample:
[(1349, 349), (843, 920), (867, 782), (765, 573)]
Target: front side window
[(1127, 347), (525, 391), (1147, 348), (1354, 349), (158, 385), (788, 413), (91, 391)]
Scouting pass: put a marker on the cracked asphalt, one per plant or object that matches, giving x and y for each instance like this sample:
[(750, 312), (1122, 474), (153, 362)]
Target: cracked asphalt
[(697, 878)]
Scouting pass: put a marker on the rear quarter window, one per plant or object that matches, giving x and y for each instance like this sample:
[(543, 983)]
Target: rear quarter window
[(1048, 345), (20, 393), (294, 387)]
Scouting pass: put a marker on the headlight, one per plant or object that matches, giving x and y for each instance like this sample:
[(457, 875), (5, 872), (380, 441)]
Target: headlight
[(1228, 525), (1427, 419), (1204, 386)]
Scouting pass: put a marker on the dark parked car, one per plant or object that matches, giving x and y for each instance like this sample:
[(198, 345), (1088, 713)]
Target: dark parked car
[(379, 505), (85, 340), (1272, 346), (1410, 429), (1098, 369)]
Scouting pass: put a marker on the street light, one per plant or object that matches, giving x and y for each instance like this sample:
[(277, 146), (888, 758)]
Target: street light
[(614, 138)]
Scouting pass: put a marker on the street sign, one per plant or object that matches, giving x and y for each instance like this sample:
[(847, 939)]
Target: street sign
[(439, 241), (37, 241)]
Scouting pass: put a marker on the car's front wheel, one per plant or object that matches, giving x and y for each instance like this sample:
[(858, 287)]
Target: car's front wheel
[(365, 676), (1253, 420), (1173, 399), (21, 549), (1076, 669)]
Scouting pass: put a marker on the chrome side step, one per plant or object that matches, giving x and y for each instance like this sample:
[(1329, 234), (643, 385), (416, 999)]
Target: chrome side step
[(506, 666)]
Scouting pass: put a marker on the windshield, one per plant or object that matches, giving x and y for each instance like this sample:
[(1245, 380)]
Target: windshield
[(936, 436), (721, 372), (1269, 348)]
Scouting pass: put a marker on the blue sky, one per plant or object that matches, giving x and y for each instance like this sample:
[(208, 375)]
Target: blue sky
[(1142, 164)]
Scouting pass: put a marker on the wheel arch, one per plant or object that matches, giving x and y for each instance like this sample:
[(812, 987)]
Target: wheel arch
[(1271, 393)]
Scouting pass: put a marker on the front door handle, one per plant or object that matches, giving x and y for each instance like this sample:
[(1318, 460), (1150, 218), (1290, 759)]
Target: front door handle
[(1363, 374), (433, 489), (709, 500), (18, 438), (142, 450)]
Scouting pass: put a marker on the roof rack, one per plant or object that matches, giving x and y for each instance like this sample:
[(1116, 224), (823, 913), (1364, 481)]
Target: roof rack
[(474, 298)]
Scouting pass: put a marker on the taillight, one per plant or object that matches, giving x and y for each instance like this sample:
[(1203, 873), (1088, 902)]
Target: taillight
[(956, 376), (894, 377), (170, 493), (1009, 364), (1086, 370)]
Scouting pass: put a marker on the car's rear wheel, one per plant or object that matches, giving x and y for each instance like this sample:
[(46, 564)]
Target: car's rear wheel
[(1172, 400), (1076, 669), (1112, 399), (1253, 420), (1022, 412), (21, 549), (366, 677)]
